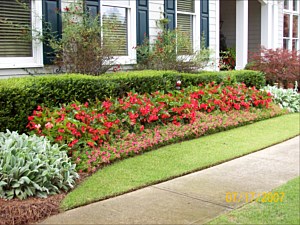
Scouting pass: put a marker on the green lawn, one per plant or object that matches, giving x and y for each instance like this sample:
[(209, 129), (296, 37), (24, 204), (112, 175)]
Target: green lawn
[(285, 212), (182, 158)]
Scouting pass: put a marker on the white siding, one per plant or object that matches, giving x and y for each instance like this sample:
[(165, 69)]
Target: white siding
[(214, 33), (280, 24), (156, 10), (254, 29), (228, 16)]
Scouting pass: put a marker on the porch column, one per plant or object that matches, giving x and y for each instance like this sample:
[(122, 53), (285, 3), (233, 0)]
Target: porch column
[(266, 25), (276, 25), (241, 34)]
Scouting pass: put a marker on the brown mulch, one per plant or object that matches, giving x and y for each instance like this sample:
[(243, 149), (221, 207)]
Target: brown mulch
[(17, 212), (31, 210)]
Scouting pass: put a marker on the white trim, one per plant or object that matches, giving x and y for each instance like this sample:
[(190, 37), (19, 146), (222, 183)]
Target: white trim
[(196, 28), (276, 25), (37, 47), (241, 34), (290, 12), (131, 31), (196, 23), (266, 26), (263, 2), (217, 43)]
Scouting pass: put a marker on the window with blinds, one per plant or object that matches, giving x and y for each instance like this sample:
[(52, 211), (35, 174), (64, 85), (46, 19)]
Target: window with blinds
[(14, 18), (186, 6), (185, 13), (114, 19)]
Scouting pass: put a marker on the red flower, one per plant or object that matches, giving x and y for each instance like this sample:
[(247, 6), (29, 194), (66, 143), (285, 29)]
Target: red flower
[(108, 124), (236, 106), (30, 118), (91, 144), (203, 106), (59, 138), (60, 130), (142, 128), (67, 9), (73, 143)]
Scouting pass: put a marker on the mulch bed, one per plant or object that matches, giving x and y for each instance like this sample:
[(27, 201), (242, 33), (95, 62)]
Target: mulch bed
[(27, 211), (31, 210)]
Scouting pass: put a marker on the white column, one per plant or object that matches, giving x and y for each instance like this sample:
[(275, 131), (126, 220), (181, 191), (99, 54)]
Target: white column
[(276, 25), (217, 53), (241, 34), (266, 25)]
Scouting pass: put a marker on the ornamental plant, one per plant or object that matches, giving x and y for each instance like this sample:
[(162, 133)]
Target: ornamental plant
[(171, 50), (32, 166), (285, 98), (87, 127), (280, 65), (85, 46)]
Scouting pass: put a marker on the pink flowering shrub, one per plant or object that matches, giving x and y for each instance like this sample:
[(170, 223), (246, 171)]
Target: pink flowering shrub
[(95, 133)]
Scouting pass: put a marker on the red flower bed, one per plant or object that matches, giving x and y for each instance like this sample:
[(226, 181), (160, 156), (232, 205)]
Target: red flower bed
[(90, 130)]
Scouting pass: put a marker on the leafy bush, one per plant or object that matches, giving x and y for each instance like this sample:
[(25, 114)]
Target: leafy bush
[(227, 59), (31, 166), (280, 65), (82, 48), (286, 98), (20, 96), (86, 127), (171, 50)]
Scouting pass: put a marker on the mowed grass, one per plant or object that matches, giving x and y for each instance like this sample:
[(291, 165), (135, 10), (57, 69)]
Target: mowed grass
[(182, 158), (285, 212)]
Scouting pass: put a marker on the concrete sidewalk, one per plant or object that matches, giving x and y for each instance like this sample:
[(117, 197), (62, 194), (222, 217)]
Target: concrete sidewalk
[(196, 198)]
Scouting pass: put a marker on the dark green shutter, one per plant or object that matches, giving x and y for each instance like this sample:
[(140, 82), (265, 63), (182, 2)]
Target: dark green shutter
[(52, 24), (93, 7), (142, 19), (170, 13), (205, 20)]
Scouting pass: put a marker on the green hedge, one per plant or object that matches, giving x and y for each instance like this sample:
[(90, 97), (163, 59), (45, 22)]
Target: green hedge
[(20, 96)]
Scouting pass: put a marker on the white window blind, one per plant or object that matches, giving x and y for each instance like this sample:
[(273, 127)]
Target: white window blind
[(186, 6), (114, 19), (185, 13), (14, 18)]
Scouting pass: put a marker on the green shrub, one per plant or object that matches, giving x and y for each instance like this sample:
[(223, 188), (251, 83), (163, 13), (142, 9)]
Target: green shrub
[(286, 98), (31, 166), (20, 96), (172, 50)]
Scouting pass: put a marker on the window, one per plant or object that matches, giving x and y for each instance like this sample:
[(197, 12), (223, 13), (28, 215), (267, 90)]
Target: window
[(12, 29), (120, 16), (291, 25), (15, 50), (115, 18), (185, 19)]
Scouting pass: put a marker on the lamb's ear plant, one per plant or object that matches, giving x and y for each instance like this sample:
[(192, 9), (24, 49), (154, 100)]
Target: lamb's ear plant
[(286, 98), (32, 166)]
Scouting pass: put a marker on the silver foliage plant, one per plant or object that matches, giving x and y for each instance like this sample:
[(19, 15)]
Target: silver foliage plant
[(31, 166), (285, 98)]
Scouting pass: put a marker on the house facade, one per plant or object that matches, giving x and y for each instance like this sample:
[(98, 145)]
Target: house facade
[(243, 25)]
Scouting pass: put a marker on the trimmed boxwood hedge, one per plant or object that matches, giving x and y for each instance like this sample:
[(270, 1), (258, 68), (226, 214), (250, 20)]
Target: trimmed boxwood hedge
[(20, 96)]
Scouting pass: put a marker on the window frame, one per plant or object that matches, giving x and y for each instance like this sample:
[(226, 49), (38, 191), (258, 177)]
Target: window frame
[(196, 23), (290, 12), (130, 58), (36, 60)]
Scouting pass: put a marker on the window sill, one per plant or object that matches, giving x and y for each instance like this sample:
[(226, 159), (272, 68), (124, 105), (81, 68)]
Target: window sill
[(20, 65)]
